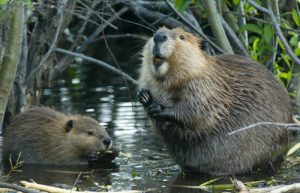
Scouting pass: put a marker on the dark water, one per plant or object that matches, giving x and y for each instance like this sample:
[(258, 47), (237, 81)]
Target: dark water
[(90, 90)]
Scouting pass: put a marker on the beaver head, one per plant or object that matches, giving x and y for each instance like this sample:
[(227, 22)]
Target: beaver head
[(173, 52), (87, 135)]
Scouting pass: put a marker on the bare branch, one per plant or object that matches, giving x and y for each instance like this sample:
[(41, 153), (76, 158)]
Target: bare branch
[(234, 39), (98, 15), (127, 35), (67, 60), (154, 15), (290, 126), (60, 19), (99, 62)]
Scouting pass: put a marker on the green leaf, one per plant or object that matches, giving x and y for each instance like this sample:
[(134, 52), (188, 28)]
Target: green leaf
[(285, 23), (295, 15), (181, 5), (297, 52), (281, 44), (251, 28), (287, 59), (3, 2), (294, 40), (134, 174), (236, 2), (255, 44), (209, 182), (268, 33)]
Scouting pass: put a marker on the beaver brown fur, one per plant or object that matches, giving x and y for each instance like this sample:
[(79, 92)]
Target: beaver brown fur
[(194, 100), (46, 136)]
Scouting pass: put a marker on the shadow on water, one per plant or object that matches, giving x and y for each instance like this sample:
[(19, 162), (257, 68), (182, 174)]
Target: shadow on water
[(85, 90)]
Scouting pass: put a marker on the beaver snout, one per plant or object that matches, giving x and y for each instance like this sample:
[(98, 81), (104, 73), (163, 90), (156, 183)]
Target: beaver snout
[(107, 142), (160, 37)]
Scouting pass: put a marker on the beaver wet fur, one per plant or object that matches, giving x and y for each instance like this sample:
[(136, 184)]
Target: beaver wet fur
[(45, 136), (194, 100)]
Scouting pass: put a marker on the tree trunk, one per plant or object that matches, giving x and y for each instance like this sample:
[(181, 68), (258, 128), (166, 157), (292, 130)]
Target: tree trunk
[(11, 54)]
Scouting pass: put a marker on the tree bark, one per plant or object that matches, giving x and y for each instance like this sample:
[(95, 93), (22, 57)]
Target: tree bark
[(11, 56), (215, 22)]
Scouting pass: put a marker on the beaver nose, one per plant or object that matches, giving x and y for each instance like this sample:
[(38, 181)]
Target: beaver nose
[(107, 142), (160, 37)]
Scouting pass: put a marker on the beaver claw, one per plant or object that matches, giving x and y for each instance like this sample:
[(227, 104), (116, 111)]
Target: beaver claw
[(144, 96), (92, 157)]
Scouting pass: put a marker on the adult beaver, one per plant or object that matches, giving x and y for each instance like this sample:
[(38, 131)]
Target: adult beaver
[(194, 100), (44, 136)]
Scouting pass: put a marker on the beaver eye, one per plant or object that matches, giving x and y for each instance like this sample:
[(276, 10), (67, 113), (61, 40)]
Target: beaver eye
[(181, 37), (90, 133)]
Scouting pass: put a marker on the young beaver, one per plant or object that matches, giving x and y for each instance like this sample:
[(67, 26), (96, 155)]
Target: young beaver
[(45, 136), (194, 100)]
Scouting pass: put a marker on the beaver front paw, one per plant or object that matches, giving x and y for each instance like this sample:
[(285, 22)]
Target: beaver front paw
[(158, 111), (92, 157), (144, 96), (154, 109), (108, 156)]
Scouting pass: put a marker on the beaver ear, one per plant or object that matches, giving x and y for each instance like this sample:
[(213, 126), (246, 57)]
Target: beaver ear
[(69, 125)]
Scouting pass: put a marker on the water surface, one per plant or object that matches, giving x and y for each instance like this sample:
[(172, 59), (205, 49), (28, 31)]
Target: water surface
[(104, 96)]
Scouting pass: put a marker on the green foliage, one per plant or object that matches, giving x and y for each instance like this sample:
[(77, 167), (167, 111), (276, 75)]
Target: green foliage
[(252, 28), (236, 2), (295, 15), (262, 40), (3, 2), (182, 5)]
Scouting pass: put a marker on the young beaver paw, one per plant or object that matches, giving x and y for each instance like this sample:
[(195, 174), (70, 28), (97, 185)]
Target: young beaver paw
[(92, 157), (144, 96), (108, 156)]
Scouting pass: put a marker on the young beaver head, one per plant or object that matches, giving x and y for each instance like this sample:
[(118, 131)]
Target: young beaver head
[(87, 135), (171, 54)]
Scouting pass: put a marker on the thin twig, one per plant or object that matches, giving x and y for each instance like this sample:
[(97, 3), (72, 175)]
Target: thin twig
[(290, 126), (270, 63), (88, 14), (156, 16), (100, 29), (242, 21), (66, 61), (98, 15), (193, 27), (99, 62), (126, 35), (277, 29), (234, 39), (60, 20)]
